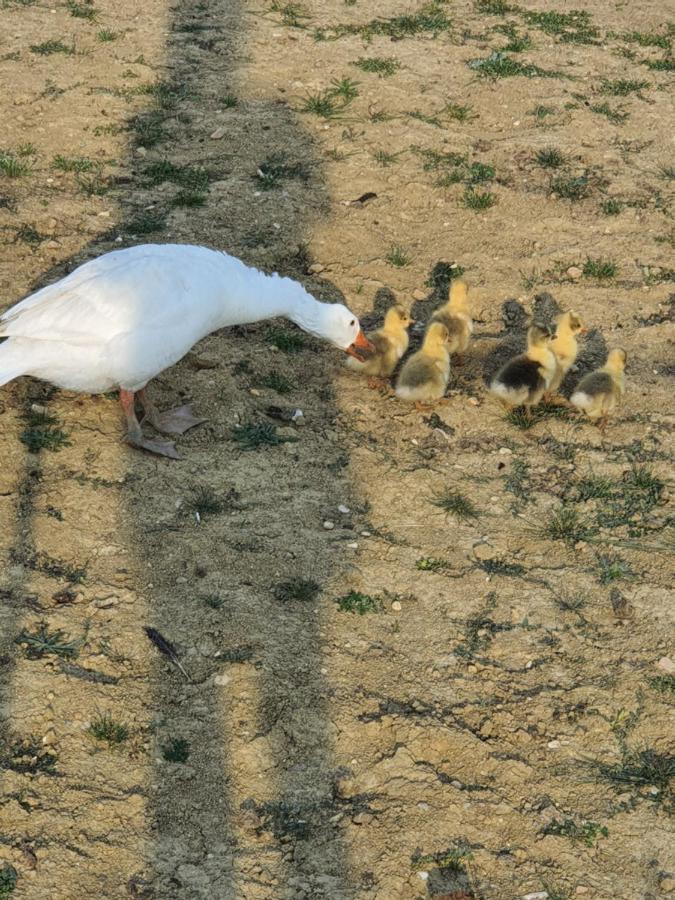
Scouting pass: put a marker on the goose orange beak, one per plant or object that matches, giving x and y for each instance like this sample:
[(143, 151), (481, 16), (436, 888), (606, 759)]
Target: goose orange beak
[(361, 349)]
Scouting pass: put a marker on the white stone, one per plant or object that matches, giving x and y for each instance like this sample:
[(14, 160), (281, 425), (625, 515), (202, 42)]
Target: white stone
[(328, 525), (222, 680)]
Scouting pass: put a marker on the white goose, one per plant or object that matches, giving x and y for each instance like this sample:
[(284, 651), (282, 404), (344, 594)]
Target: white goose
[(119, 320)]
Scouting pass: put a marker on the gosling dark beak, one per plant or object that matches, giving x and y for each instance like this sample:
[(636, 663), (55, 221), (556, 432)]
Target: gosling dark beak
[(361, 349)]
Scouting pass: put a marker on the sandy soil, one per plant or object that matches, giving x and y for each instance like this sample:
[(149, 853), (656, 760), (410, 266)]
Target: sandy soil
[(498, 724)]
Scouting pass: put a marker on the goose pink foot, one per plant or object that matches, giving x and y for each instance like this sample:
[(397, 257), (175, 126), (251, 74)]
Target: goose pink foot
[(173, 421), (134, 435)]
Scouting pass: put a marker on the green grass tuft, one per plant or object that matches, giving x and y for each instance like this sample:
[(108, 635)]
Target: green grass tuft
[(573, 27), (478, 200), (616, 116), (499, 566), (73, 163), (42, 641), (587, 833), (565, 524), (432, 564), (48, 48), (639, 768), (259, 434), (286, 339), (664, 684), (8, 879), (622, 87), (213, 601), (383, 66), (499, 65), (106, 36), (397, 256), (12, 165), (84, 10), (361, 604), (105, 728), (176, 751), (302, 589), (612, 207), (41, 433), (569, 187), (277, 382), (550, 158), (602, 269), (460, 113), (494, 7), (451, 501), (205, 501), (612, 568)]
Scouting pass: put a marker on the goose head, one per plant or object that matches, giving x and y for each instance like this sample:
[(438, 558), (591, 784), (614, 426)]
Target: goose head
[(339, 326)]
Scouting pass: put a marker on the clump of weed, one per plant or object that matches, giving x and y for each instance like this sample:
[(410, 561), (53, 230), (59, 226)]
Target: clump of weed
[(432, 564), (277, 382), (48, 48), (601, 269), (550, 158), (286, 339), (204, 500), (573, 27), (664, 684), (517, 483), (622, 87), (8, 879), (612, 568), (189, 199), (571, 187), (84, 10), (480, 629), (72, 163), (616, 116), (454, 858), (541, 112), (148, 128), (385, 159), (106, 36), (259, 434), (458, 112), (146, 222), (500, 65), (293, 15), (384, 66), (12, 165), (397, 256), (566, 524), (648, 39), (499, 566), (524, 418), (213, 601), (638, 768), (478, 200), (494, 7), (302, 589), (176, 751), (42, 641), (361, 604), (451, 501), (29, 234), (660, 65), (429, 19), (570, 602), (272, 171), (333, 101), (611, 207), (105, 728), (587, 833)]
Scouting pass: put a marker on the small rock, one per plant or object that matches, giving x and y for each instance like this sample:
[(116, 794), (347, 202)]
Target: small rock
[(315, 268), (328, 525), (474, 401), (537, 895), (365, 534), (353, 545), (574, 272), (218, 133), (396, 606), (666, 665), (484, 551), (505, 451), (667, 885), (222, 680), (581, 890), (343, 509), (141, 151), (362, 818), (418, 294), (254, 392), (553, 745)]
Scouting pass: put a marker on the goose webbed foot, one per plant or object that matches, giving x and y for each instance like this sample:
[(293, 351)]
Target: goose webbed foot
[(135, 436), (173, 421)]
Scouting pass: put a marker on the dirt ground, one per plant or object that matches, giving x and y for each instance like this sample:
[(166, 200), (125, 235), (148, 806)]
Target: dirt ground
[(498, 723)]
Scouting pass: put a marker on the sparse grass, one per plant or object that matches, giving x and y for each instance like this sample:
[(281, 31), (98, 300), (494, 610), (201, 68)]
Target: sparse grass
[(384, 159), (105, 728), (612, 568), (638, 768), (48, 48), (478, 200), (494, 7), (478, 173), (479, 629), (602, 269), (176, 751), (611, 207), (499, 566), (517, 42), (293, 15), (397, 256), (28, 234), (541, 112), (73, 163), (41, 433), (42, 641), (432, 564), (499, 65), (569, 187), (189, 199), (83, 10), (213, 601), (517, 482), (430, 19), (647, 39), (550, 158), (322, 104), (565, 524), (361, 604), (12, 165), (286, 339), (587, 833), (616, 116), (525, 419), (205, 501), (277, 382), (148, 128), (569, 602), (660, 65), (305, 590), (229, 101), (146, 222), (451, 501), (345, 89), (272, 171), (622, 87), (106, 36), (573, 27), (454, 858), (664, 684), (259, 434), (383, 66), (458, 112)]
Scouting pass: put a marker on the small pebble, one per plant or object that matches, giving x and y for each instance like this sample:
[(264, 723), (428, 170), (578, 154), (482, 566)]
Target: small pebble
[(666, 665), (221, 680), (353, 545), (553, 745), (505, 451), (328, 525), (343, 509), (396, 606), (537, 895), (574, 272)]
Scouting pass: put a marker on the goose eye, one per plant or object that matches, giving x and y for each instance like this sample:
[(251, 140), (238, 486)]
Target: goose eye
[(353, 322)]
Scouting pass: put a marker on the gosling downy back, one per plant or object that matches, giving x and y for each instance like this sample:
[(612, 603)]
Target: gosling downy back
[(599, 393), (564, 345), (424, 376), (456, 316), (523, 380)]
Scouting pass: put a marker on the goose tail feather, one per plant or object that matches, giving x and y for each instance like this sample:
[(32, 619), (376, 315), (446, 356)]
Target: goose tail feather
[(11, 363)]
